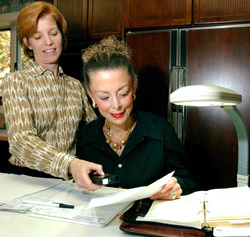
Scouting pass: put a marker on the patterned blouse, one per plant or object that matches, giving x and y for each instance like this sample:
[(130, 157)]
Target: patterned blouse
[(42, 115)]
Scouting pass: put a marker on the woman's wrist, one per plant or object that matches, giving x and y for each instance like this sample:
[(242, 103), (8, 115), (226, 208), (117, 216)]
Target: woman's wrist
[(71, 165)]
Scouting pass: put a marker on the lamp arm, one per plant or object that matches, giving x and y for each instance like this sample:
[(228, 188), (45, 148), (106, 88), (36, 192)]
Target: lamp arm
[(243, 144)]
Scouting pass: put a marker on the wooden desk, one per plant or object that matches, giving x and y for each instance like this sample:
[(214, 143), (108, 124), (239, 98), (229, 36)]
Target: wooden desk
[(3, 135)]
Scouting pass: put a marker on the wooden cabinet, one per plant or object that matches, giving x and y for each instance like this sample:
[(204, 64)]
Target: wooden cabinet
[(75, 14), (157, 13), (95, 19), (92, 19), (151, 63), (222, 11), (105, 17), (167, 13)]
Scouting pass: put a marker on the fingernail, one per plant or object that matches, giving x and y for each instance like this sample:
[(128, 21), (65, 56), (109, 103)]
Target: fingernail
[(163, 190), (152, 197)]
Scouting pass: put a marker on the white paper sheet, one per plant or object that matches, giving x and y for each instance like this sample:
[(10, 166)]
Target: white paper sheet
[(233, 231), (69, 194), (130, 195)]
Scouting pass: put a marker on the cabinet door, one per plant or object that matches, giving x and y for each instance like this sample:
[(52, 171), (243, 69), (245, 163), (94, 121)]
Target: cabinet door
[(157, 13), (105, 17), (222, 11), (151, 63), (217, 56), (75, 14)]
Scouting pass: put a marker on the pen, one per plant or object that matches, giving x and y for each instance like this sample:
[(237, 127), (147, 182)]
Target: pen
[(51, 204)]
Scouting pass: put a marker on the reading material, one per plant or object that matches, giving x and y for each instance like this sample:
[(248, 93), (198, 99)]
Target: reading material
[(68, 194), (216, 207), (130, 195)]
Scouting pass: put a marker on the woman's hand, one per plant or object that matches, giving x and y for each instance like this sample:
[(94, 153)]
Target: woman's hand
[(169, 191), (80, 170)]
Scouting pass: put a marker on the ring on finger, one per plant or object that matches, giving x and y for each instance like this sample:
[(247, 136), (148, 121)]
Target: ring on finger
[(173, 196)]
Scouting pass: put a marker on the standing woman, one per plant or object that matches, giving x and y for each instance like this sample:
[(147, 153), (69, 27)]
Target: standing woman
[(42, 105)]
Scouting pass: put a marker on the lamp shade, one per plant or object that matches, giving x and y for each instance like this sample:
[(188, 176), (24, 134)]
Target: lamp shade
[(210, 95), (205, 95)]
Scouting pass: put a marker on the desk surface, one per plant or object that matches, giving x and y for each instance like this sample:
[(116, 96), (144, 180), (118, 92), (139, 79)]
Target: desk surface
[(17, 224)]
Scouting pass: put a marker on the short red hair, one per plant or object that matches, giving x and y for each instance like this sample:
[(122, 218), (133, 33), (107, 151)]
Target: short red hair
[(28, 18)]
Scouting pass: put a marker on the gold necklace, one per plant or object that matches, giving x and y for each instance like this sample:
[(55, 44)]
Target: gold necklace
[(115, 146)]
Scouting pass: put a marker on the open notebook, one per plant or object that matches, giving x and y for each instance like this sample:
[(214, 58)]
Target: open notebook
[(216, 207)]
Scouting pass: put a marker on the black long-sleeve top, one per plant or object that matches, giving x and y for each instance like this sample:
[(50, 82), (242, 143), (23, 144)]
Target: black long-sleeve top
[(152, 151)]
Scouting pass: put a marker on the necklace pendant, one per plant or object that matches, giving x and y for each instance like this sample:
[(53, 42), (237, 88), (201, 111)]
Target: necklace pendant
[(108, 141)]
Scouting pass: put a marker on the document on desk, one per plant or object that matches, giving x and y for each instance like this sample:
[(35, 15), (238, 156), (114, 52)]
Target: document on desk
[(96, 208), (68, 194), (130, 195), (99, 216)]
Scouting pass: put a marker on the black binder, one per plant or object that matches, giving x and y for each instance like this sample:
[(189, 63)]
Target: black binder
[(146, 228)]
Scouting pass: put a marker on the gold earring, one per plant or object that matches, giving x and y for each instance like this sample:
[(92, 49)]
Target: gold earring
[(94, 104), (134, 96)]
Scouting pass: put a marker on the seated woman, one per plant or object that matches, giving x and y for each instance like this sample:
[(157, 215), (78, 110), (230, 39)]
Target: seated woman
[(139, 147)]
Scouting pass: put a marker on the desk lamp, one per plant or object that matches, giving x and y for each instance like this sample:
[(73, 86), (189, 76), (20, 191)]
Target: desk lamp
[(209, 95)]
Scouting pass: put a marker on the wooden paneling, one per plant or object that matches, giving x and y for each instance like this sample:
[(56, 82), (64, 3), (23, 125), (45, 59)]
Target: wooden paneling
[(219, 11), (217, 57), (105, 17), (75, 14), (92, 19), (157, 13), (151, 63)]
